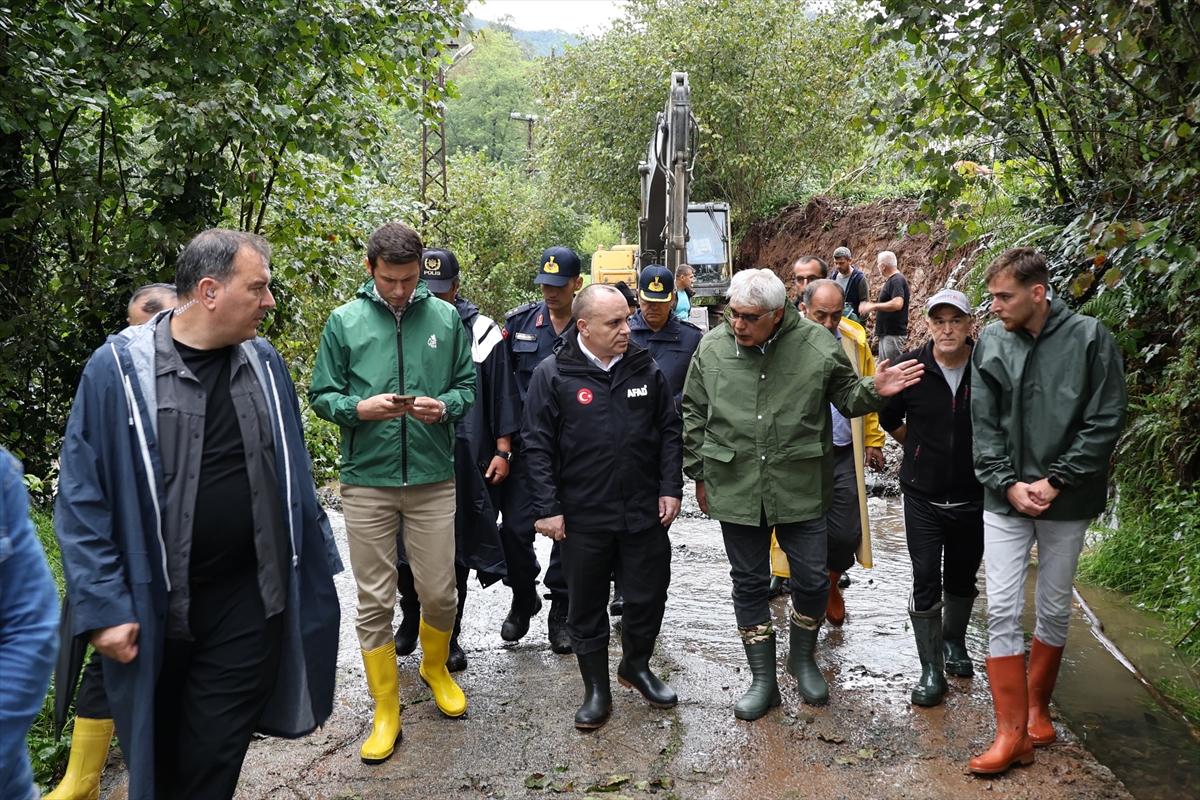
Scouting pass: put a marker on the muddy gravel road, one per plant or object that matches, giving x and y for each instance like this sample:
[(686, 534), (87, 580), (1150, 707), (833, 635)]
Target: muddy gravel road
[(868, 742)]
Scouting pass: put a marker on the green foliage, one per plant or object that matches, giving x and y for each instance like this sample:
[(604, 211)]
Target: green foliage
[(48, 757), (127, 127), (492, 82), (598, 234), (769, 85)]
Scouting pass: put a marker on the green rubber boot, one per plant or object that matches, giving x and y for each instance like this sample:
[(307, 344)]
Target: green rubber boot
[(801, 660), (763, 694), (955, 616), (927, 628)]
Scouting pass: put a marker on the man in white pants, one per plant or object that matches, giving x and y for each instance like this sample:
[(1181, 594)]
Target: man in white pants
[(1049, 404)]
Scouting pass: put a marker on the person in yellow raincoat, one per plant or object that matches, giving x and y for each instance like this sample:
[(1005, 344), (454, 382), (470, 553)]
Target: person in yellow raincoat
[(857, 442)]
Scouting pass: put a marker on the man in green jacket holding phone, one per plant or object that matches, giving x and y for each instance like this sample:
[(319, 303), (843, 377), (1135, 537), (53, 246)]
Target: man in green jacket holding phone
[(394, 372)]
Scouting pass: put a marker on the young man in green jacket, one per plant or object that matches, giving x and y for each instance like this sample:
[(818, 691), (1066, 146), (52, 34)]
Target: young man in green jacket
[(1048, 407), (394, 372), (758, 441)]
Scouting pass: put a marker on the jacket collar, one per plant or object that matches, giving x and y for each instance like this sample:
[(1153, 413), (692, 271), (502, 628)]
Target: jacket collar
[(638, 323), (367, 290), (467, 311), (568, 354)]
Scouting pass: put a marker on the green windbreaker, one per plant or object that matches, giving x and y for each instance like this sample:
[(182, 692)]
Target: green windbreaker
[(364, 353), (756, 426), (1051, 404)]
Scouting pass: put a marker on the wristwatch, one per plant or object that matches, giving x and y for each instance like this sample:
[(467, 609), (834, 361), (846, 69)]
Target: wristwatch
[(1058, 483), (505, 454)]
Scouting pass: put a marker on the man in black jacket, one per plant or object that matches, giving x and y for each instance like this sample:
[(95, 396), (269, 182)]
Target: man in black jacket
[(943, 501), (603, 447)]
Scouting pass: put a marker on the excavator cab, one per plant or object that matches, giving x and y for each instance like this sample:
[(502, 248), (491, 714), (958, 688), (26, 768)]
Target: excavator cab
[(708, 251)]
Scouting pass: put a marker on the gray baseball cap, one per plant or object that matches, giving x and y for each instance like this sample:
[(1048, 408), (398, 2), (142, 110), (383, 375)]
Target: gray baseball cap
[(949, 297)]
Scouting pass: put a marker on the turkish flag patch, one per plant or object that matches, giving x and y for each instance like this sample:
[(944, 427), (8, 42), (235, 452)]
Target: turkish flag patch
[(584, 396)]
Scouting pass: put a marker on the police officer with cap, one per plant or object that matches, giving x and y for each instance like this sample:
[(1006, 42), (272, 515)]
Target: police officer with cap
[(670, 340), (531, 331)]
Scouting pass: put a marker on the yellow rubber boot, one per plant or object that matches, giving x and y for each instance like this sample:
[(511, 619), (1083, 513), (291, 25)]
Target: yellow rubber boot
[(383, 681), (89, 751), (435, 649)]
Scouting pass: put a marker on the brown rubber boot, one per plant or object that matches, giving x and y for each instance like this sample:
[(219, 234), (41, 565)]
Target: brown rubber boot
[(1043, 672), (1010, 698), (835, 609)]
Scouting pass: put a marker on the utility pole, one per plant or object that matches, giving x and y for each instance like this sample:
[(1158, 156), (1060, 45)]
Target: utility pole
[(530, 120), (435, 190)]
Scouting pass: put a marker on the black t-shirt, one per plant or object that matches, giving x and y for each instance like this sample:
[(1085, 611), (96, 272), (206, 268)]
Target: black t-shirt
[(893, 323), (223, 521)]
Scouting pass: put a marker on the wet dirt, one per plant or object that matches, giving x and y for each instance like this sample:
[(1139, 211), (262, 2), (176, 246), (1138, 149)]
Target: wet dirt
[(869, 742), (825, 223)]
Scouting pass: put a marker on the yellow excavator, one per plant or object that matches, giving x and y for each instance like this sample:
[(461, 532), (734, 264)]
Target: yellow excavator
[(672, 230)]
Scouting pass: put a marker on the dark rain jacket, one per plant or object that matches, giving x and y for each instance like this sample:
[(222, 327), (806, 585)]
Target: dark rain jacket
[(1051, 404), (601, 447), (671, 347), (756, 423), (938, 463), (109, 520)]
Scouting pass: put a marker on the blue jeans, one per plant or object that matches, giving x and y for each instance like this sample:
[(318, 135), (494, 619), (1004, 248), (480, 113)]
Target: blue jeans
[(28, 630), (749, 550)]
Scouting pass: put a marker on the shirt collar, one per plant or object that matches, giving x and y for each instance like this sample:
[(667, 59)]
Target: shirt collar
[(592, 357)]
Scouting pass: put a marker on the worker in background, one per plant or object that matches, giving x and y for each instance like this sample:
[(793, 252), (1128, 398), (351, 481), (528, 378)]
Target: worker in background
[(684, 276), (943, 500), (852, 280), (602, 444), (92, 733), (482, 455), (531, 331)]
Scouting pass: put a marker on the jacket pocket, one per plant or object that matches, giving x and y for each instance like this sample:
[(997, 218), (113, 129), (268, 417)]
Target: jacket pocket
[(717, 452), (799, 452)]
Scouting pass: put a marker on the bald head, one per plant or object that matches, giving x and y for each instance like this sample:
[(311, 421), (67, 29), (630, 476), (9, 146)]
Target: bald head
[(602, 317), (585, 303), (823, 302)]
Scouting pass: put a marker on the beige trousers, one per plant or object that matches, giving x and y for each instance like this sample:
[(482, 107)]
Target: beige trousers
[(373, 515)]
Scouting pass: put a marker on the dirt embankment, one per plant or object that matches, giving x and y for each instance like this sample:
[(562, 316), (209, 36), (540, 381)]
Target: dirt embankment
[(825, 223)]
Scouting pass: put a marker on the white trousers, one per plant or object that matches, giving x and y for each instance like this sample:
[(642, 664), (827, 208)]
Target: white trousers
[(1007, 543)]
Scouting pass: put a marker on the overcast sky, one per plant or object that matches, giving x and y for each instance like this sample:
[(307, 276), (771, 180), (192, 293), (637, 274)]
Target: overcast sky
[(573, 16)]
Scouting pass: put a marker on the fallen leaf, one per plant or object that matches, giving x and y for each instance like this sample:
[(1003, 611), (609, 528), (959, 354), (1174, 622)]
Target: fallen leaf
[(663, 783), (829, 737), (561, 768), (847, 760), (562, 788), (867, 752), (537, 781)]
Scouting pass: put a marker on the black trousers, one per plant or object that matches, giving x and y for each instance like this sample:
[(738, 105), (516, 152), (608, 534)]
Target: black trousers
[(212, 691), (748, 547), (946, 548), (517, 536), (642, 563), (92, 701), (844, 517)]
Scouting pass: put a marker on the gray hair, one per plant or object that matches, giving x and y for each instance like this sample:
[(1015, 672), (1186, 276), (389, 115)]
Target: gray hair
[(584, 304), (842, 252), (759, 289), (813, 287), (211, 254), (887, 257), (149, 298)]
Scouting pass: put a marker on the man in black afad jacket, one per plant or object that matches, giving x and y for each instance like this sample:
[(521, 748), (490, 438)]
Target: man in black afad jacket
[(603, 448), (943, 501)]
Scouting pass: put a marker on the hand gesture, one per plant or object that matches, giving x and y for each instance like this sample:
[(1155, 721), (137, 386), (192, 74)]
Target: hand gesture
[(891, 380)]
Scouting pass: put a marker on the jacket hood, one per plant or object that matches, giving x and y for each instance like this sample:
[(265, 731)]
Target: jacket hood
[(1060, 312), (467, 310), (367, 290)]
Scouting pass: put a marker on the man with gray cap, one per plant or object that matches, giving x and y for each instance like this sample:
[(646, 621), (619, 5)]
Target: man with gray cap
[(851, 279), (530, 332), (943, 500)]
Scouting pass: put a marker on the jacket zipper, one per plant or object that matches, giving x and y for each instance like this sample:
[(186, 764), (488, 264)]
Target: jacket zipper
[(404, 419)]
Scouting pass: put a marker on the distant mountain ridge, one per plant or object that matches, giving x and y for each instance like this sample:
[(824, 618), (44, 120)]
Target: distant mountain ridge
[(540, 43)]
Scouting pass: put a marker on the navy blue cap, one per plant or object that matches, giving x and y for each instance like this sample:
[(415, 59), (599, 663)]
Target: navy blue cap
[(656, 283), (626, 292), (559, 266), (439, 268)]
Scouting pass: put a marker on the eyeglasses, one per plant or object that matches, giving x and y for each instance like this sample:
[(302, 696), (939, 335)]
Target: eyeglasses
[(733, 316)]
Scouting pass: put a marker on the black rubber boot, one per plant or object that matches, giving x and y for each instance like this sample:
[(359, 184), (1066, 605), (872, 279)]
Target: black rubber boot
[(617, 607), (410, 608), (556, 629), (634, 671), (801, 660), (597, 698), (956, 613), (525, 605), (927, 628), (763, 694), (456, 661), (776, 587)]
